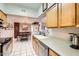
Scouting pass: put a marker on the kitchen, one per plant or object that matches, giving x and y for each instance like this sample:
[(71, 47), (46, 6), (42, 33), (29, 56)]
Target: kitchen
[(50, 28)]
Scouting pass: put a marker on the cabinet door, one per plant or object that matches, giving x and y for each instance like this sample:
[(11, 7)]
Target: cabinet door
[(0, 15), (33, 42), (3, 16), (52, 53), (77, 14), (67, 14), (43, 49), (35, 45), (52, 17)]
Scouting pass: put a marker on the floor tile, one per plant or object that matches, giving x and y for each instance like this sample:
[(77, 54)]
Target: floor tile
[(23, 48)]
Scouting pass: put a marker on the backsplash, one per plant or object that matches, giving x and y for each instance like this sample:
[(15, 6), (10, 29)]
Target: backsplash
[(62, 32)]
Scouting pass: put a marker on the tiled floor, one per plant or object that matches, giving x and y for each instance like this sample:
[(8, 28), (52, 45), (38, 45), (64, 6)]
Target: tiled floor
[(23, 48)]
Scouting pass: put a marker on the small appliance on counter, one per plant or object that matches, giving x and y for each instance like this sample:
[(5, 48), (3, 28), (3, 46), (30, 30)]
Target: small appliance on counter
[(35, 28), (74, 38)]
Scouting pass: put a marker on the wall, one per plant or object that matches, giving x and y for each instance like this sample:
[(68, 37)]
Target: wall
[(6, 33), (14, 18), (62, 32), (1, 7), (11, 19), (21, 19), (40, 11)]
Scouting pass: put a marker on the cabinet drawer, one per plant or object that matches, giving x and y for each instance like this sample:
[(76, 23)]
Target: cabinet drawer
[(52, 53)]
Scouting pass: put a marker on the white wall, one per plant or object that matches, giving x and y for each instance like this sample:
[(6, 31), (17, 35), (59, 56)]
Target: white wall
[(1, 7), (40, 11), (62, 32), (21, 19), (11, 19), (6, 33)]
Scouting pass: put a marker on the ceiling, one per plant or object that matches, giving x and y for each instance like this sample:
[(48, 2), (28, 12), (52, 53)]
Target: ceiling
[(33, 6)]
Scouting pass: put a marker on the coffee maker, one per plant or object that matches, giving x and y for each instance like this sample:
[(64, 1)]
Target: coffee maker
[(74, 38)]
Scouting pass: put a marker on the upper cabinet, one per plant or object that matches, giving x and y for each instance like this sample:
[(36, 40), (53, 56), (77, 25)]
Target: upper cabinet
[(77, 15), (51, 17), (50, 4), (3, 16), (67, 14), (63, 15), (52, 53)]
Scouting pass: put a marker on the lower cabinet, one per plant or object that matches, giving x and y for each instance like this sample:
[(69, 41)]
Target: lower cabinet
[(35, 46), (43, 49), (39, 48), (7, 48), (52, 53)]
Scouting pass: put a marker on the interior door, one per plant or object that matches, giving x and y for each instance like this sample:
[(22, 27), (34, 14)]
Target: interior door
[(16, 29)]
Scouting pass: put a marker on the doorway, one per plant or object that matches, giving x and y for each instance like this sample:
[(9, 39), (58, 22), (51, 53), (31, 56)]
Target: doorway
[(16, 29)]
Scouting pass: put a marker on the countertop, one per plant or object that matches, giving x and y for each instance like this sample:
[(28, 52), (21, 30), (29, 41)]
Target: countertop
[(4, 40), (60, 46), (0, 44)]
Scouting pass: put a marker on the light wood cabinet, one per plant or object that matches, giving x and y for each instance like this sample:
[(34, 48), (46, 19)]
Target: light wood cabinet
[(67, 14), (77, 14), (3, 16), (51, 16), (39, 48), (63, 15), (35, 45), (52, 53)]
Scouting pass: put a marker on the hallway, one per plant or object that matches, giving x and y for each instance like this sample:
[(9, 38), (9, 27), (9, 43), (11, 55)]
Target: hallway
[(22, 48)]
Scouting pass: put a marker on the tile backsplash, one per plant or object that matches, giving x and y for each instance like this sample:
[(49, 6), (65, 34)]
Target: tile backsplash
[(62, 32)]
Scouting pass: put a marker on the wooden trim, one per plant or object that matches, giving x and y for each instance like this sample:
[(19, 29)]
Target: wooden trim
[(53, 27), (66, 26), (57, 14), (75, 14)]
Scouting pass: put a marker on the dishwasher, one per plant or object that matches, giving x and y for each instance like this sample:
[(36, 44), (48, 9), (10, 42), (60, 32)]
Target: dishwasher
[(43, 49)]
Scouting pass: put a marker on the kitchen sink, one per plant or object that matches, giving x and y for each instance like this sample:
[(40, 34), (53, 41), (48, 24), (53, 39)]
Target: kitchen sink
[(41, 36)]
